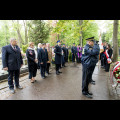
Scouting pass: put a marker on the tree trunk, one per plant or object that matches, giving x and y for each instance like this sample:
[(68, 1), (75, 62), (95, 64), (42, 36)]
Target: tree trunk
[(19, 35), (80, 23), (115, 41), (25, 27)]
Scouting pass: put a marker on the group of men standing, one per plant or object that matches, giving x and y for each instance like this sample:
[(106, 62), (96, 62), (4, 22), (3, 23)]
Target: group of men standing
[(76, 53), (12, 61)]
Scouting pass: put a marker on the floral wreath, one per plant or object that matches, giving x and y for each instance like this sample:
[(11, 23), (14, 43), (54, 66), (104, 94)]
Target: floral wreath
[(116, 71)]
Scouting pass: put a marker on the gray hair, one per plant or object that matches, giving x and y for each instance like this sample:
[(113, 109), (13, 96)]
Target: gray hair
[(12, 39), (39, 45)]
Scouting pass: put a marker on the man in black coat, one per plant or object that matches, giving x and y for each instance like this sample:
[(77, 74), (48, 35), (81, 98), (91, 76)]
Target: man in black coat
[(64, 54), (12, 62), (58, 56), (43, 59), (67, 53), (74, 52)]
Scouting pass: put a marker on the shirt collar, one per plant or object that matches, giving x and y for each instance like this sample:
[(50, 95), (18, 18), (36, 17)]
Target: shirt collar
[(13, 46)]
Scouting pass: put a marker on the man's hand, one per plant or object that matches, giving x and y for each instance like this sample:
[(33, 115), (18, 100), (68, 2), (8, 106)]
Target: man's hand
[(48, 61), (6, 69), (36, 60), (41, 63), (21, 65)]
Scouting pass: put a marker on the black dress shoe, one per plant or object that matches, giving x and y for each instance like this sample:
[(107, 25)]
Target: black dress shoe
[(90, 93), (59, 72), (19, 87), (89, 96), (92, 83), (86, 94)]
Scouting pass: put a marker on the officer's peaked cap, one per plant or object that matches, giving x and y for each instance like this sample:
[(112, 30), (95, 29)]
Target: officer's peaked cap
[(90, 39)]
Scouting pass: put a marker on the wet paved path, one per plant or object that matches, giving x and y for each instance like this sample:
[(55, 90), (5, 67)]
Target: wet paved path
[(66, 86)]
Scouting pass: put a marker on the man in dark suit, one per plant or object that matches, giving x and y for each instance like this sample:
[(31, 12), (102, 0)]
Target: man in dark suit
[(74, 52), (58, 56), (64, 55), (12, 62), (43, 59)]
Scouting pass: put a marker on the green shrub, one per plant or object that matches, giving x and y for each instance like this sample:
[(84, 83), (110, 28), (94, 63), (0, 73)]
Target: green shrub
[(24, 48)]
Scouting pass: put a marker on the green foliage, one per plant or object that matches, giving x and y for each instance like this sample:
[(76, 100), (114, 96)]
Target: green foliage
[(39, 31), (90, 31), (24, 48), (69, 30)]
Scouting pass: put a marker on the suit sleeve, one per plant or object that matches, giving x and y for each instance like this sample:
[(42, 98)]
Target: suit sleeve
[(4, 57)]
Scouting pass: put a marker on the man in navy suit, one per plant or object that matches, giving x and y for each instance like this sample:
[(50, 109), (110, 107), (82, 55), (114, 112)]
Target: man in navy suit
[(43, 59), (12, 62)]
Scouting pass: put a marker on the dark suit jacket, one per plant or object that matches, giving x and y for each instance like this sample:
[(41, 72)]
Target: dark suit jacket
[(74, 50), (43, 56), (11, 58)]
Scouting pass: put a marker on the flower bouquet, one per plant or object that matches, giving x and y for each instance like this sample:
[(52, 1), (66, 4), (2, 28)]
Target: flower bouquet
[(116, 71)]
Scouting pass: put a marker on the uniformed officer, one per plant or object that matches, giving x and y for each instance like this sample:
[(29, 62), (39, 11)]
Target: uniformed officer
[(88, 61), (97, 59), (58, 56)]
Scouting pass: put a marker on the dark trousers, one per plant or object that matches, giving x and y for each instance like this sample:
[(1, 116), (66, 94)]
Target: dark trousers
[(91, 72), (42, 70), (102, 60), (15, 74), (73, 57), (85, 79), (107, 67), (78, 60), (58, 67), (32, 74), (63, 61), (66, 58), (47, 68)]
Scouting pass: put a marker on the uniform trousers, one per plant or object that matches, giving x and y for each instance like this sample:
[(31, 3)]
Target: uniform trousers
[(91, 72), (58, 67), (85, 78)]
